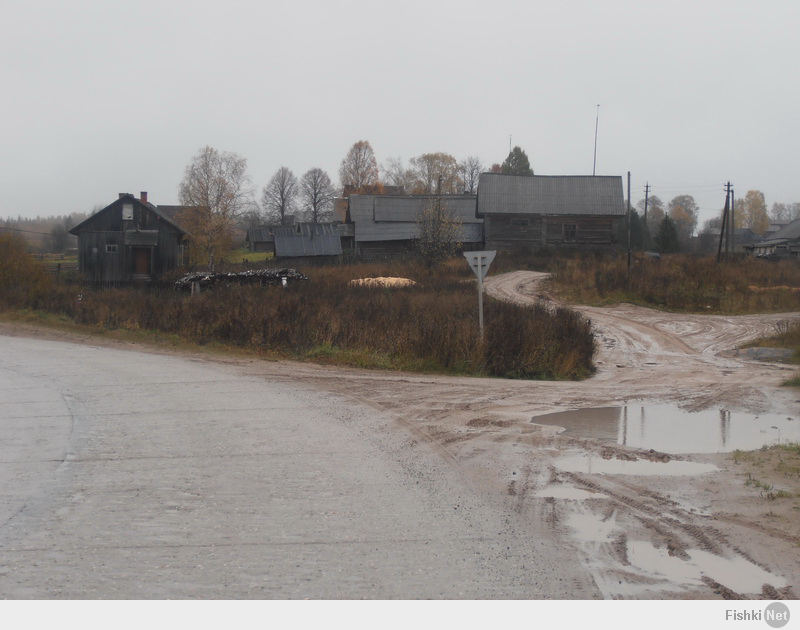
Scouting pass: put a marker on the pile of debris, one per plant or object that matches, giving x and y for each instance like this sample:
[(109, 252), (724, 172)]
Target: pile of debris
[(204, 280)]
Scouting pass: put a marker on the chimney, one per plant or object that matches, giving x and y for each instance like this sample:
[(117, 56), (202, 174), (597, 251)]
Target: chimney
[(143, 197)]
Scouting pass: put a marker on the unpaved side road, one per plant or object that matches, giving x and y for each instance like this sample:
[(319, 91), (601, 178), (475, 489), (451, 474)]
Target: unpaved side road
[(654, 536), (133, 475)]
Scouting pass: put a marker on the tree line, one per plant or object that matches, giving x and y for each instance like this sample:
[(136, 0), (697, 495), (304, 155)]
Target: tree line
[(671, 227), (218, 196)]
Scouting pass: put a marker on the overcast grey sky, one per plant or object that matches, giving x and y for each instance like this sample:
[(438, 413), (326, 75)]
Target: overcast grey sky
[(102, 97)]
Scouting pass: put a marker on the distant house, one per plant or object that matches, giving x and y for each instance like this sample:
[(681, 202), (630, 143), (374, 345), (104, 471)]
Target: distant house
[(538, 211), (130, 240), (743, 238), (307, 239), (785, 243), (388, 223), (260, 239)]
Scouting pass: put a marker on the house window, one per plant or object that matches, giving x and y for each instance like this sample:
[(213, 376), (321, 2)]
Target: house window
[(127, 212), (111, 249), (521, 223), (570, 232)]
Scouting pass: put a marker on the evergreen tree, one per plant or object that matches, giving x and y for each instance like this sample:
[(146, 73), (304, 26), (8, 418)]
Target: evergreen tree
[(516, 163), (667, 236)]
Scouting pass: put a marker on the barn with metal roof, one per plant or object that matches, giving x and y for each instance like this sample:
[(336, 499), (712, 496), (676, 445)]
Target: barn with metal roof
[(521, 211)]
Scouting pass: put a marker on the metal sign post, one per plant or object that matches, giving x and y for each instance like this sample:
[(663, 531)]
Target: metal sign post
[(479, 262)]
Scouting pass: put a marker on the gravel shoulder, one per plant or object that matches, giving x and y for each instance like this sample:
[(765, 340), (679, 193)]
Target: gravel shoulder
[(627, 536)]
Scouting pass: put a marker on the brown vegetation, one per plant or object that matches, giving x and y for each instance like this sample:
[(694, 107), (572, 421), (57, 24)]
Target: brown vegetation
[(683, 283), (23, 281), (430, 326)]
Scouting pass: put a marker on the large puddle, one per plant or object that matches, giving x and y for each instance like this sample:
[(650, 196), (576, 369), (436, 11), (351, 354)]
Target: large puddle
[(669, 429), (663, 569)]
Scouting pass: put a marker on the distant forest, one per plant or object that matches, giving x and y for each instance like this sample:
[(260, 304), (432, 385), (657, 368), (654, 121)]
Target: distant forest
[(46, 234)]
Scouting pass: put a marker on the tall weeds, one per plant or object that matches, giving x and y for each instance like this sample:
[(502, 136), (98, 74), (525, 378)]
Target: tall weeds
[(433, 326), (683, 283)]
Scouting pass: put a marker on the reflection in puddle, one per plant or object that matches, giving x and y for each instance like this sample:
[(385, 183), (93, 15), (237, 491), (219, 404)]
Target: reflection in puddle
[(591, 464), (668, 429)]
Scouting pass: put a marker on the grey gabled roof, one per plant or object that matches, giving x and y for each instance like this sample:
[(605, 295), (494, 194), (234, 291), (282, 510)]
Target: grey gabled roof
[(550, 195), (394, 217), (165, 213), (787, 233), (307, 239)]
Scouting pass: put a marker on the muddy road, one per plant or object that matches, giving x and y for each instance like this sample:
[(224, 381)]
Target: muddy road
[(631, 522)]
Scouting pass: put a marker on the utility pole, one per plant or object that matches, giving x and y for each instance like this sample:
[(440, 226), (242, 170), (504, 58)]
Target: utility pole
[(732, 223), (727, 223), (645, 229), (596, 124), (629, 221)]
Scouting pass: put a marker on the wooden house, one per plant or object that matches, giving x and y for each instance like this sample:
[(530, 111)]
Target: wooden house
[(130, 240), (785, 243), (533, 212), (388, 223), (306, 240)]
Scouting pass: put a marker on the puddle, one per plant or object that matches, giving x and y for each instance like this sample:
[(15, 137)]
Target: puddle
[(653, 562), (566, 492), (736, 573), (591, 464), (669, 429)]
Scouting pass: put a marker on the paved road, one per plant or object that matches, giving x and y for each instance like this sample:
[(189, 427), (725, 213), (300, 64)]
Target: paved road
[(133, 475)]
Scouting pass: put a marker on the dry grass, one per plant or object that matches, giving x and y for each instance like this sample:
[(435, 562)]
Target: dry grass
[(683, 283), (430, 326)]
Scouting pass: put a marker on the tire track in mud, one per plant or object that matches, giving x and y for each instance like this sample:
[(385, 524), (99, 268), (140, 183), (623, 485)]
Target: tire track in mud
[(635, 337)]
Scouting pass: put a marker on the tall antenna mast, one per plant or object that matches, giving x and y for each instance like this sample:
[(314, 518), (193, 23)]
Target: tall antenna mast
[(596, 124)]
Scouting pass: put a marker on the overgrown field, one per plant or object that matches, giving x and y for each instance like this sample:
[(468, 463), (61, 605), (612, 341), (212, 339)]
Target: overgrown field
[(682, 283), (432, 326)]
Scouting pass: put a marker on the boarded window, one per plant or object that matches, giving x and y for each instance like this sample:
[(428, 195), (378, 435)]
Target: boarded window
[(570, 232)]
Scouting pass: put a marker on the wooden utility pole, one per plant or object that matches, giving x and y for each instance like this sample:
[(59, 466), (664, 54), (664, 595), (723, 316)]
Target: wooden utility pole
[(629, 220), (727, 223)]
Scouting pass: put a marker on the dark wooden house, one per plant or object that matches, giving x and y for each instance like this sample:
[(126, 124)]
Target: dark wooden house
[(533, 212), (389, 223), (130, 240)]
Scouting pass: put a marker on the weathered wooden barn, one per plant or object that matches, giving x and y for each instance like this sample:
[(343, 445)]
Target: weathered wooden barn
[(388, 223), (785, 243), (533, 212), (130, 240), (307, 240)]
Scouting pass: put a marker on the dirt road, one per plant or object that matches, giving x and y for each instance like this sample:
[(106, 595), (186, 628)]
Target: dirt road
[(687, 527)]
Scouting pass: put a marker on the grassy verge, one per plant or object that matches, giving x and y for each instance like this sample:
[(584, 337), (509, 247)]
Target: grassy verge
[(774, 472), (432, 326), (681, 283)]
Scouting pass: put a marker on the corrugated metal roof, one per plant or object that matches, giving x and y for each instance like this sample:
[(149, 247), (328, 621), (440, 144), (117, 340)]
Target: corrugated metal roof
[(787, 233), (293, 245), (550, 195), (394, 218), (259, 235)]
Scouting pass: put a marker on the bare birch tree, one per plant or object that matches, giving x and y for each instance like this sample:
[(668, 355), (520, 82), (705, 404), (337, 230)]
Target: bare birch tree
[(316, 195), (438, 232), (359, 168), (471, 169), (215, 191), (280, 195)]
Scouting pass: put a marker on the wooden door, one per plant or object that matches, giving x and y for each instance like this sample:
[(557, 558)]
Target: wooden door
[(141, 261)]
